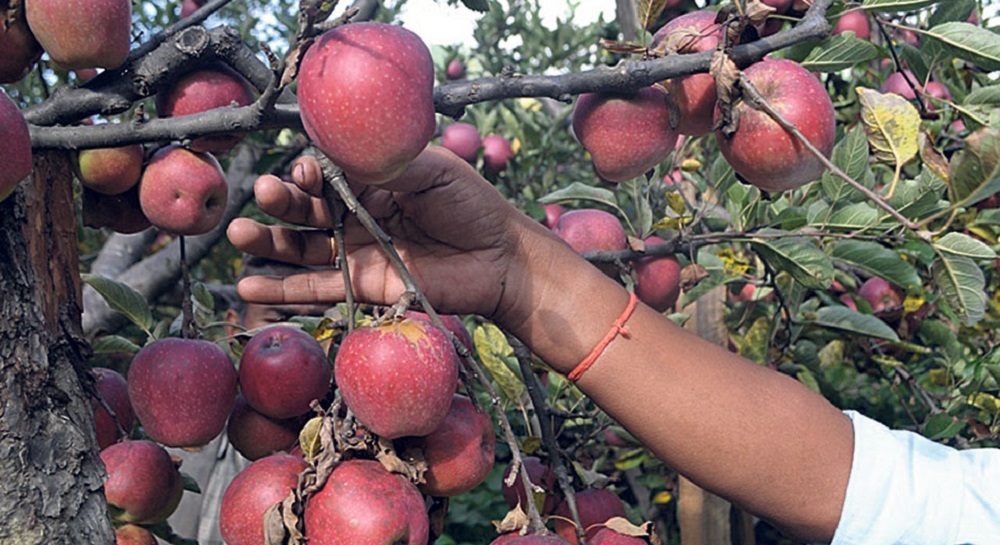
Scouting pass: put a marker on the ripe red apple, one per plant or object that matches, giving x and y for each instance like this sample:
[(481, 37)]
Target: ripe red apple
[(626, 135), (182, 390), (252, 492), (18, 50), (282, 370), (255, 436), (657, 279), (694, 95), (607, 536), (463, 140), (848, 302), (856, 22), (459, 453), (595, 506), (455, 70), (120, 213), (143, 482), (398, 378), (183, 192), (762, 151), (936, 90), (363, 504), (113, 389), (589, 229), (366, 98), (131, 534), (188, 7), (880, 294), (897, 83), (540, 475), (496, 153), (16, 152), (110, 171), (217, 86), (450, 321), (82, 34), (552, 214)]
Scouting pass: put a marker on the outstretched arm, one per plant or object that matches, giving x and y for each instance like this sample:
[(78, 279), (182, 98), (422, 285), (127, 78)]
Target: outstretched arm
[(740, 430)]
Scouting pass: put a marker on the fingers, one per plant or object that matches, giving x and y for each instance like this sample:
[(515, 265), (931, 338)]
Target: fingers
[(291, 204), (307, 288), (305, 247), (308, 175), (435, 166)]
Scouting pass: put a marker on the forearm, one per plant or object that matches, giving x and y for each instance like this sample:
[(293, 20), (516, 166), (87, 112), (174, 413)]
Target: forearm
[(745, 432)]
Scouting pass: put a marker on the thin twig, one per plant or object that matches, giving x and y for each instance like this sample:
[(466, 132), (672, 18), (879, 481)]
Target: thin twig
[(187, 327), (339, 211)]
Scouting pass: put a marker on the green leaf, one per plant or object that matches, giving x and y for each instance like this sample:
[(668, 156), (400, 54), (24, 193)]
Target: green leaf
[(493, 349), (916, 60), (877, 260), (843, 319), (806, 377), (840, 52), (962, 284), (113, 344), (722, 175), (896, 5), (859, 215), (482, 6), (970, 43), (961, 244), (984, 95), (631, 459), (190, 484), (581, 191), (953, 10), (942, 426), (122, 298), (851, 156), (975, 171), (892, 125), (754, 345), (798, 256)]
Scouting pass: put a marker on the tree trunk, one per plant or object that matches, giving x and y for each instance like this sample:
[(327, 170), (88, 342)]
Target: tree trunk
[(50, 473)]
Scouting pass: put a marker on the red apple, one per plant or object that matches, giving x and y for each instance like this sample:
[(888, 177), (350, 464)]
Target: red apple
[(463, 140), (459, 453), (451, 322), (455, 70), (113, 389), (589, 229), (552, 214), (763, 152), (694, 95), (82, 33), (856, 22), (252, 492), (18, 50), (880, 294), (938, 91), (217, 86), (120, 213), (540, 475), (16, 153), (143, 482), (595, 506), (626, 135), (83, 75), (529, 540), (282, 370), (110, 171), (188, 7), (182, 390), (363, 504), (366, 98), (131, 534), (657, 279), (398, 378), (897, 83), (255, 436), (848, 302), (801, 5), (496, 153), (607, 536), (183, 192)]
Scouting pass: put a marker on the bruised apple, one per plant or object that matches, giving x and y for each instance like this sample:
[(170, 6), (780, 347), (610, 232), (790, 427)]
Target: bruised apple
[(459, 453), (252, 492), (282, 370), (15, 155), (143, 483), (366, 97), (183, 192), (694, 95)]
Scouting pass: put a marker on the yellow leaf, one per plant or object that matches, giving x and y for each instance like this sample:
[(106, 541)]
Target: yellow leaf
[(893, 128), (309, 438), (667, 224), (492, 347), (940, 377), (733, 264), (691, 165), (663, 497), (986, 402), (755, 343), (912, 303), (531, 445), (515, 145), (676, 203)]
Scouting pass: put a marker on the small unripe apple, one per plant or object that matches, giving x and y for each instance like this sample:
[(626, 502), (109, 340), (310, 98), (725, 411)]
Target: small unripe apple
[(540, 475), (496, 153), (182, 390), (459, 453), (255, 436), (626, 135), (363, 504), (398, 378), (455, 70), (463, 140), (15, 155), (366, 99), (657, 279), (217, 86), (143, 482), (183, 192), (120, 213), (82, 33), (110, 171), (18, 50), (252, 492), (856, 22), (595, 506), (131, 534), (113, 389), (694, 95), (282, 370)]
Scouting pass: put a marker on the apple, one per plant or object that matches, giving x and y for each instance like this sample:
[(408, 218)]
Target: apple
[(848, 302), (455, 70), (657, 279), (143, 482), (801, 5), (880, 294), (82, 34), (763, 152), (110, 171), (463, 140), (607, 536), (113, 389), (83, 75), (936, 90), (183, 192), (120, 213), (856, 22), (897, 83), (398, 378), (459, 453), (496, 153), (217, 86), (282, 370), (694, 95), (188, 7), (131, 534), (552, 214), (16, 154), (528, 540), (781, 6), (18, 50), (255, 436), (907, 36), (252, 492), (182, 390), (451, 322), (540, 475), (363, 504), (366, 95), (595, 506), (626, 134), (589, 229)]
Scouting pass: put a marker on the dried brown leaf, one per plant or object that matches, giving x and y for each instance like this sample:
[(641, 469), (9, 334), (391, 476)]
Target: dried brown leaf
[(636, 244), (625, 48), (692, 275), (625, 527), (933, 158), (411, 464), (758, 12), (649, 10), (726, 74), (515, 519)]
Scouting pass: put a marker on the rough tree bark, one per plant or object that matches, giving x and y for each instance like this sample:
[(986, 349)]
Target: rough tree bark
[(50, 472)]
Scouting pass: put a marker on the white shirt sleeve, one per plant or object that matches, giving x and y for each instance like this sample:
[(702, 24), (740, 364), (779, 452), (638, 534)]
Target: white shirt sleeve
[(907, 490)]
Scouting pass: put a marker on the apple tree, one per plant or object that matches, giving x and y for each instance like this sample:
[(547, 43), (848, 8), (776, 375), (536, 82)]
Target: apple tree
[(827, 212)]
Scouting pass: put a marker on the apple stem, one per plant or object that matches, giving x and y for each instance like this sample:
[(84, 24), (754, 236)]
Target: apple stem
[(187, 309), (336, 206)]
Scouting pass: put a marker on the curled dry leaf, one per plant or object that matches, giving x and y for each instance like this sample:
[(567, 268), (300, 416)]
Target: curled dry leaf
[(623, 48), (726, 74), (636, 244), (932, 157), (513, 521), (625, 527), (410, 465), (649, 10), (758, 12), (692, 275), (309, 438)]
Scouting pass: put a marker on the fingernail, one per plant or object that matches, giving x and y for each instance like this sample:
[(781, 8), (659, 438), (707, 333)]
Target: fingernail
[(299, 173)]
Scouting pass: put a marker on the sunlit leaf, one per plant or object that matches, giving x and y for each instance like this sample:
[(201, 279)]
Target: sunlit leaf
[(970, 43), (798, 256), (840, 52), (843, 319), (892, 125), (492, 347), (961, 244)]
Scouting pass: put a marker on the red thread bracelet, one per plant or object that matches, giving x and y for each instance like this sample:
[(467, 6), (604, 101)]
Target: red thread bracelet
[(618, 327)]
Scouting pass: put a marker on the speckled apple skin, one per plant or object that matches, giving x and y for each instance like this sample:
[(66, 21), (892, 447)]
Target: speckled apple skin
[(182, 390), (626, 135), (363, 504), (657, 279), (183, 192), (15, 155), (460, 453), (203, 90), (397, 378), (82, 33), (18, 51), (366, 98), (252, 492), (282, 370), (142, 481), (763, 152), (589, 229), (694, 95)]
